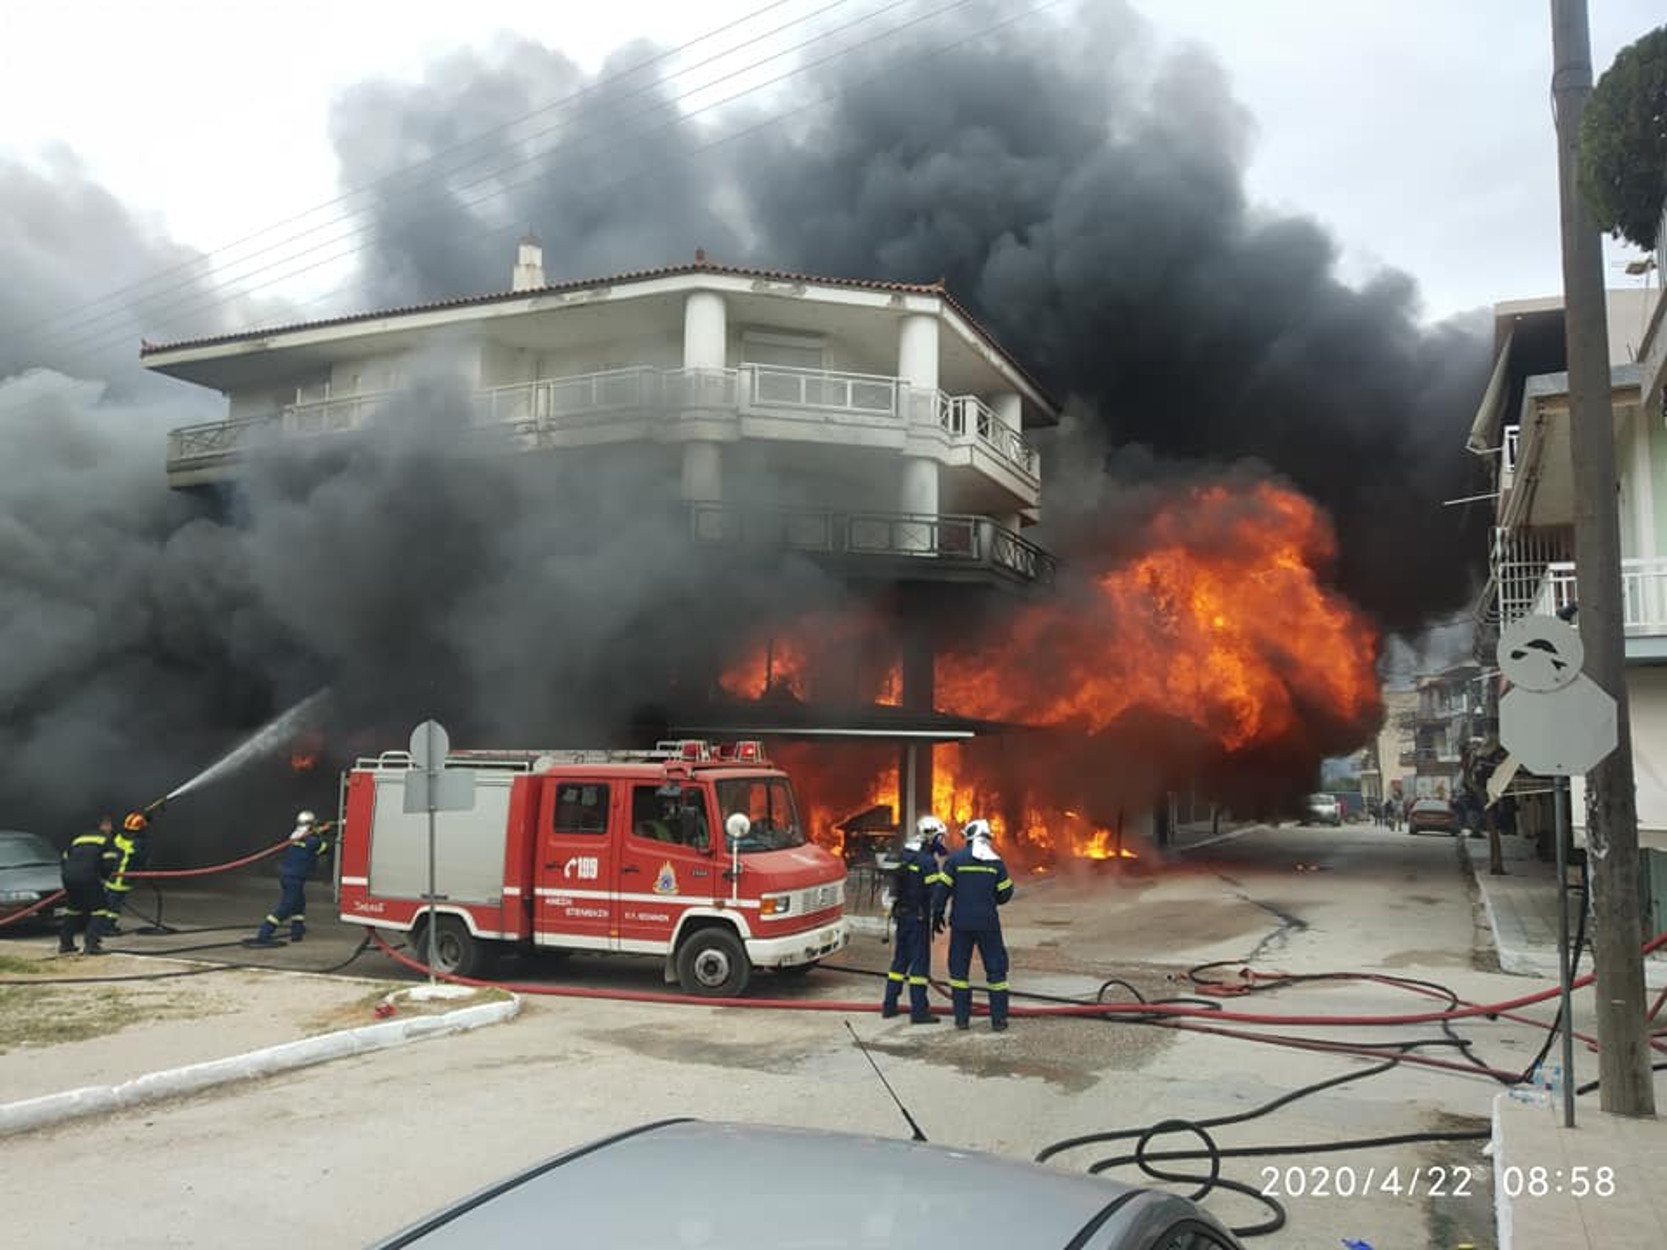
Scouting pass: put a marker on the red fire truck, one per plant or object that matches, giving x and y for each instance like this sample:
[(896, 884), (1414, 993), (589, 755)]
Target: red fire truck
[(620, 851)]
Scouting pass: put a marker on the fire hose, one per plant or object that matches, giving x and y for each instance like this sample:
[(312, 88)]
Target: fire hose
[(156, 874)]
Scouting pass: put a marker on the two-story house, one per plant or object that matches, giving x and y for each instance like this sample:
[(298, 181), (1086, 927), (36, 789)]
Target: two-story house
[(1522, 427), (1444, 722), (874, 426)]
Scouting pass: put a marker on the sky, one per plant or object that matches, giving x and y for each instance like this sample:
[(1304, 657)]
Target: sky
[(1419, 133)]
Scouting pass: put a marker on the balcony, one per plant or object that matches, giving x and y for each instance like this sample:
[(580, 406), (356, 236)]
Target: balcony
[(889, 544), (1643, 595), (754, 401)]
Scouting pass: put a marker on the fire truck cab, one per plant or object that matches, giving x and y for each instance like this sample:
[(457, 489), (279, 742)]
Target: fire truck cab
[(616, 851)]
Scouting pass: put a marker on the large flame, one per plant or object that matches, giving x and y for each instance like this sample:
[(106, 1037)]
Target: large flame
[(1220, 620), (1212, 616)]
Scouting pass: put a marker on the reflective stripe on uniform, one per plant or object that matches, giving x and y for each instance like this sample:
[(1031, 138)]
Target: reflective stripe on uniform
[(1006, 883), (895, 976), (918, 981), (999, 986), (959, 985), (977, 868)]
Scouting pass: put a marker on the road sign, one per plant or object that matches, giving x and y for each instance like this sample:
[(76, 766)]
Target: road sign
[(1540, 654), (430, 744), (450, 791), (1565, 733)]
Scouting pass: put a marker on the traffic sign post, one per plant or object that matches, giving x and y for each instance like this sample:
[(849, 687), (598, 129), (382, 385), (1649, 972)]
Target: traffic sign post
[(1557, 722), (431, 787)]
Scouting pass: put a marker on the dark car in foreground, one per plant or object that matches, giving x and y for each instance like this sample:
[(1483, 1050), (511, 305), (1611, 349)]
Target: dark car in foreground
[(28, 873), (692, 1183), (1432, 816)]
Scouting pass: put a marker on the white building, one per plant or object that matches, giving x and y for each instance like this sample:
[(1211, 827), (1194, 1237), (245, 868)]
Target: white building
[(891, 424), (1523, 423)]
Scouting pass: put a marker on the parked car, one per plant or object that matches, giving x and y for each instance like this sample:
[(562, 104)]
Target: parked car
[(28, 873), (1435, 815), (822, 1189), (1322, 809)]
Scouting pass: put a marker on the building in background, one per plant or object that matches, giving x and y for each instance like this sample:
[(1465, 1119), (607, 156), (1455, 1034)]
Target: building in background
[(1384, 772)]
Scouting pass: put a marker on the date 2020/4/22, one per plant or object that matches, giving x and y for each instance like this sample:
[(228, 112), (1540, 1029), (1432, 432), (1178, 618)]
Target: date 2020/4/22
[(1434, 1181)]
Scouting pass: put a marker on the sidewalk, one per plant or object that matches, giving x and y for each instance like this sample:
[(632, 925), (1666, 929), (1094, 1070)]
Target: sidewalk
[(1597, 1184), (1522, 912)]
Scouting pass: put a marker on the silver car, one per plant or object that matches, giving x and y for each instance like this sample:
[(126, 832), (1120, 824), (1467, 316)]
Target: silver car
[(690, 1183), (28, 873)]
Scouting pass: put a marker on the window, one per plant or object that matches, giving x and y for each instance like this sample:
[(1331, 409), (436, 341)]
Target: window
[(581, 807), (671, 813), (790, 351), (768, 803)]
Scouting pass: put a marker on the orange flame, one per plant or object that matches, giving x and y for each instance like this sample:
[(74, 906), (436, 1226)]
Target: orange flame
[(1219, 620)]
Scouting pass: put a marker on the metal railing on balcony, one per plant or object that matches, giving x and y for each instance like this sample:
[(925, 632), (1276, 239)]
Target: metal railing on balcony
[(1643, 593), (219, 438), (549, 404), (822, 391), (952, 539)]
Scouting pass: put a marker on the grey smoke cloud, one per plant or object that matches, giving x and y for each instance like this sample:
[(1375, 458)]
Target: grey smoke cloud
[(1084, 196)]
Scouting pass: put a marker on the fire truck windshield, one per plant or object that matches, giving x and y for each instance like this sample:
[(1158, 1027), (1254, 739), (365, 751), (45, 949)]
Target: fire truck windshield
[(767, 802)]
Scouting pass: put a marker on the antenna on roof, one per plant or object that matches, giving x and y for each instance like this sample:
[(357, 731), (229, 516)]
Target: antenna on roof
[(919, 1136)]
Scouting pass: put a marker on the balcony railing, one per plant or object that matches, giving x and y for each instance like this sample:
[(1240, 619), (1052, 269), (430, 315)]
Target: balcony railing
[(554, 404), (1643, 593), (967, 541)]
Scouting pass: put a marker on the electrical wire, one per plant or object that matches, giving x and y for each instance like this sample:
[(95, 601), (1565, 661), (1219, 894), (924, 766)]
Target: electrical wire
[(385, 181), (198, 301)]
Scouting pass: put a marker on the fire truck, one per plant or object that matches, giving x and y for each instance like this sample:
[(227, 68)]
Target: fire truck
[(632, 852)]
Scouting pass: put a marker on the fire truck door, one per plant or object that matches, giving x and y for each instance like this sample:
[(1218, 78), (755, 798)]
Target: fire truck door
[(575, 866), (664, 863)]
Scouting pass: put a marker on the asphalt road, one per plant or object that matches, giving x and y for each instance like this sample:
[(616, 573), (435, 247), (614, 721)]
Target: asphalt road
[(341, 1154)]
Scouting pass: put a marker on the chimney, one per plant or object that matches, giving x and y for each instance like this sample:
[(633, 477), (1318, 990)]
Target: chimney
[(529, 265)]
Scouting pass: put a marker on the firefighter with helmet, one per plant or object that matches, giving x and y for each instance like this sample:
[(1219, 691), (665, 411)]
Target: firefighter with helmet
[(307, 845), (973, 885), (132, 843), (88, 867), (911, 907)]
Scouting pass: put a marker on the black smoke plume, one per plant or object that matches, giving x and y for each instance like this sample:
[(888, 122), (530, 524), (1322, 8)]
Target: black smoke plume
[(1079, 189)]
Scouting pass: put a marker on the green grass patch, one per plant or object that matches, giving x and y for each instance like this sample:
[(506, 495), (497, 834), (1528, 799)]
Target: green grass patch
[(11, 965), (47, 1015)]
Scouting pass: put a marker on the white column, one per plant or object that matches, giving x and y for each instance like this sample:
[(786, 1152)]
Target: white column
[(705, 331), (917, 367), (705, 346)]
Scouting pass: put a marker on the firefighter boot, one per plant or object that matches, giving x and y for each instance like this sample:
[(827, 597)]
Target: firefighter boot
[(297, 928), (894, 991), (95, 936), (264, 934), (66, 938)]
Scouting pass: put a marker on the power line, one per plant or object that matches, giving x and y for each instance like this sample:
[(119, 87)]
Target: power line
[(394, 176), (83, 338)]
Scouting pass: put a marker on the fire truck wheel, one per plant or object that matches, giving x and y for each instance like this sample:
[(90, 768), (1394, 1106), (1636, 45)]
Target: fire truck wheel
[(713, 964), (456, 953)]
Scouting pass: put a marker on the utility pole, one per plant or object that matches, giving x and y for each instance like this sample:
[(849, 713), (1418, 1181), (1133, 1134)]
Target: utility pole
[(1611, 812)]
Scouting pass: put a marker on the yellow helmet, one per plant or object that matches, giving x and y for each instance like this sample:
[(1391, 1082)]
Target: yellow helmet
[(135, 822)]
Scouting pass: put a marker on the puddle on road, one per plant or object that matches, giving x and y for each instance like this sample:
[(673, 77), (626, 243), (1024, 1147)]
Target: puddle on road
[(1071, 1055), (658, 1042)]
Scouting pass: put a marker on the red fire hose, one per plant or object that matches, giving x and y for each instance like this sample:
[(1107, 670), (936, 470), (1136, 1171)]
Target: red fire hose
[(155, 874)]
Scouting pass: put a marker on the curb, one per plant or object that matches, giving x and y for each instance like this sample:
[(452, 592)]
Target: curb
[(49, 1109)]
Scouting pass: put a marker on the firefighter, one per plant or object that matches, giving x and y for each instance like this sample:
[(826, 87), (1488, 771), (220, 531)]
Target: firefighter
[(88, 867), (132, 844), (977, 882), (911, 908), (307, 845)]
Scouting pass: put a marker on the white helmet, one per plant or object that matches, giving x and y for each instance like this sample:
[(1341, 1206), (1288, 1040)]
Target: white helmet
[(979, 829), (930, 826), (305, 818), (737, 826)]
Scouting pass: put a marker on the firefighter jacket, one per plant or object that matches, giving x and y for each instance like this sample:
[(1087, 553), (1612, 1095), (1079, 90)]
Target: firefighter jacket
[(913, 883), (977, 887), (132, 850), (296, 863), (91, 859)]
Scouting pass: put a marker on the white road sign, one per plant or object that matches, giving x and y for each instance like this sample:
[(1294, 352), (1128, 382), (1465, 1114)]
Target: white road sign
[(1565, 733), (1540, 653)]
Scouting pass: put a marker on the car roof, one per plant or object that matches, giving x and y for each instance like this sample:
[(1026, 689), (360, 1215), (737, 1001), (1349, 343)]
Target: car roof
[(693, 1183)]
